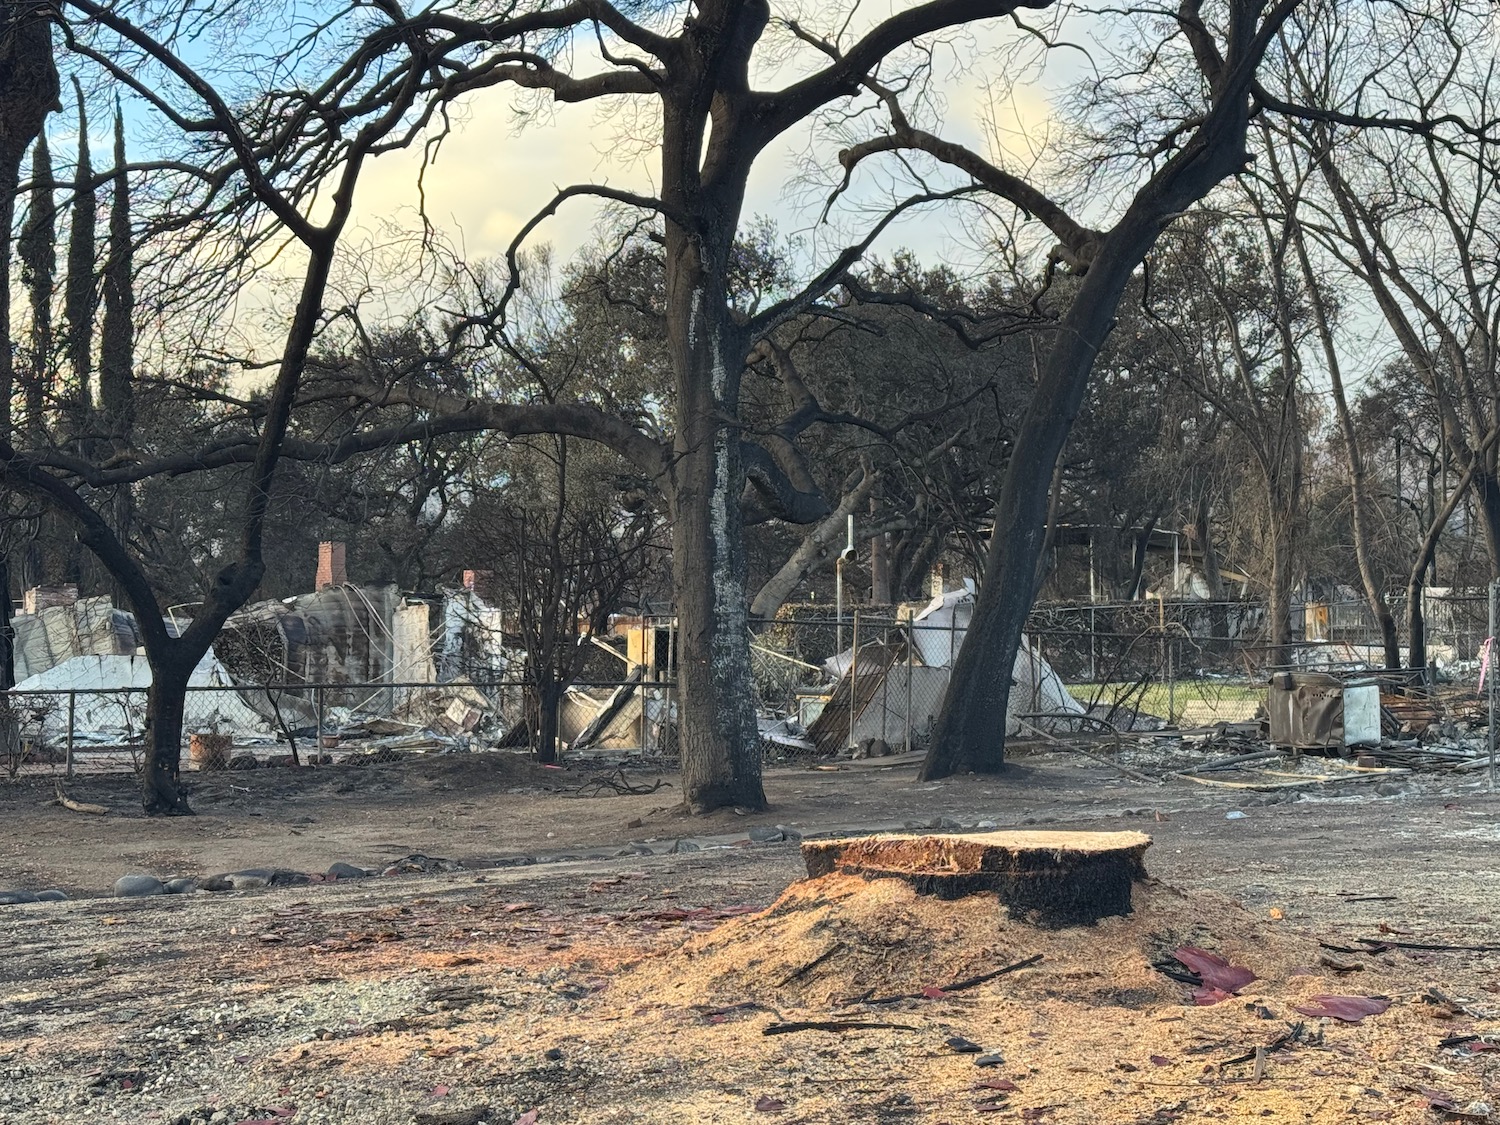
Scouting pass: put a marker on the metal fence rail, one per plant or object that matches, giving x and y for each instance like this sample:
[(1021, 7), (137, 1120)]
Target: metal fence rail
[(102, 729)]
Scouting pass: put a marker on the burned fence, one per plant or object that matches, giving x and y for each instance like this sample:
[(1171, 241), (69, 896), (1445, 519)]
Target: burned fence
[(98, 727)]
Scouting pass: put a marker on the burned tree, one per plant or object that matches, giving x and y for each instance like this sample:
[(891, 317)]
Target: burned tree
[(254, 176)]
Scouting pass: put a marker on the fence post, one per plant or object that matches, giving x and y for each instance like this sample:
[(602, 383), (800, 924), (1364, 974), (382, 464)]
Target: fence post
[(68, 759), (853, 675), (318, 708), (1490, 693), (885, 684), (911, 639)]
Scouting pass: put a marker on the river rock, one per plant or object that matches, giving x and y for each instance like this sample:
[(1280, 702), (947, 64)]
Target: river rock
[(138, 886), (347, 871), (16, 898), (181, 886), (52, 895)]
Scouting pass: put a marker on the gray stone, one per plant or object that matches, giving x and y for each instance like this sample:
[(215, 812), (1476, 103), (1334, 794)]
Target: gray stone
[(138, 886), (215, 883), (52, 895), (181, 886), (763, 835), (1390, 789), (347, 871), (247, 880), (684, 846), (16, 898)]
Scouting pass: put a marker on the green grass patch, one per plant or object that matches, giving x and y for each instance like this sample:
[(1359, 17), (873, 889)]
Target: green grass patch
[(1169, 702)]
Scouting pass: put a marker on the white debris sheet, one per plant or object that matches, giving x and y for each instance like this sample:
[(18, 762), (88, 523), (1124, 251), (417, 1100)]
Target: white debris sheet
[(104, 713)]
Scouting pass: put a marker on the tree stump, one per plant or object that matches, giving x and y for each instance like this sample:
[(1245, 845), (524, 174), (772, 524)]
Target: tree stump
[(1046, 878)]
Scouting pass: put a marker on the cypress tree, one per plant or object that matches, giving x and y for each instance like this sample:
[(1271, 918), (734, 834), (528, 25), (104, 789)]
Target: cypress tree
[(79, 302), (116, 344)]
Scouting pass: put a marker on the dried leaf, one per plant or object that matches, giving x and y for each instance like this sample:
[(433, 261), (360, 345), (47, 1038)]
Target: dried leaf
[(932, 992), (767, 1104), (438, 1092), (1205, 996), (529, 1117), (1213, 969), (1003, 1084), (1160, 1060), (1350, 1009), (518, 907)]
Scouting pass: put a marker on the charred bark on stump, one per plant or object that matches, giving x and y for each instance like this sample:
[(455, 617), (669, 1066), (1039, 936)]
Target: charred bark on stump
[(1049, 879)]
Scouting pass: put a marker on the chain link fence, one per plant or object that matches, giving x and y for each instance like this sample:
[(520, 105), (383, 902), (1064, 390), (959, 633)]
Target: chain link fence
[(236, 727), (867, 685)]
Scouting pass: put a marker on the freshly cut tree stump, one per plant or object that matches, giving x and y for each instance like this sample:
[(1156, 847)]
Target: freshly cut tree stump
[(1045, 878)]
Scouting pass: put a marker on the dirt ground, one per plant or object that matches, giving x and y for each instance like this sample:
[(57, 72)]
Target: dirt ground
[(639, 988)]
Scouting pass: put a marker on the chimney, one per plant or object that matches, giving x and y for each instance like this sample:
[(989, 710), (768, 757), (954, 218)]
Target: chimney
[(935, 581), (38, 598), (479, 582), (331, 565)]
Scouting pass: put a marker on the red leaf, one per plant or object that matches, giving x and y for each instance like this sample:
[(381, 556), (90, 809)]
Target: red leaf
[(1004, 1084), (767, 1104), (1350, 1009), (126, 1084), (1481, 1045), (989, 1107), (517, 907), (1160, 1060), (439, 1092), (1215, 971), (932, 992), (1206, 996), (529, 1117)]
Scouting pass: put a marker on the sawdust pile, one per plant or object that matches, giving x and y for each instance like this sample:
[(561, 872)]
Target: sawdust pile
[(837, 937)]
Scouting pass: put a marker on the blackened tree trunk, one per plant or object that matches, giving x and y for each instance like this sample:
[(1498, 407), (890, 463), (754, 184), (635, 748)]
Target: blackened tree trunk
[(721, 763), (970, 730), (548, 699), (163, 794)]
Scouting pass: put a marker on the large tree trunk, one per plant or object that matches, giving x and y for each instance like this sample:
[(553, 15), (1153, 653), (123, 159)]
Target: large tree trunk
[(1487, 491), (160, 784), (970, 730), (720, 752), (548, 696)]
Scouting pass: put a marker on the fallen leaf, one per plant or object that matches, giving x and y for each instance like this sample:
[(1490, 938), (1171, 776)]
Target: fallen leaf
[(438, 1092), (1004, 1084), (963, 1046), (767, 1104), (1350, 1009), (1205, 996), (932, 992), (518, 907), (529, 1117), (1213, 969), (989, 1107), (1160, 1060), (1277, 913)]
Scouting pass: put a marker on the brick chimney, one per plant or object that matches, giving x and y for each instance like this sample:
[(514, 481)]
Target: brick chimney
[(479, 582), (331, 570)]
